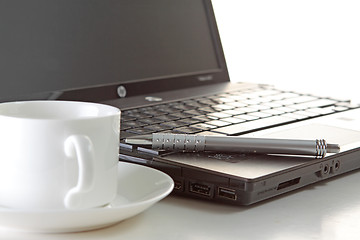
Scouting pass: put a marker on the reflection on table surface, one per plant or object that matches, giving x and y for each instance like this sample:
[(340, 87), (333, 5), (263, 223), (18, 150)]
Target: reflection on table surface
[(327, 210)]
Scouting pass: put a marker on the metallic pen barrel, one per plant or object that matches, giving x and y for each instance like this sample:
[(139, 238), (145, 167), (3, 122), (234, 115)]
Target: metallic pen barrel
[(182, 142)]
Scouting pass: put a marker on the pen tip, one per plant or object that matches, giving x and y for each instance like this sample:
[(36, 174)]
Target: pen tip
[(139, 140), (333, 148)]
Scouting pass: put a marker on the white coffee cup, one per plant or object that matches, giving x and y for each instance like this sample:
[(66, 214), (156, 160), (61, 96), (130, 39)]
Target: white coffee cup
[(58, 154)]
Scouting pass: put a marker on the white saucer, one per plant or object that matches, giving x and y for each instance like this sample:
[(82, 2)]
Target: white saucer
[(139, 188)]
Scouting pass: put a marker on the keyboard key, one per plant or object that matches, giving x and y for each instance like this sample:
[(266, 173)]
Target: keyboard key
[(321, 103), (174, 124), (181, 115), (218, 123), (125, 134), (150, 120), (183, 107), (132, 124), (204, 118), (166, 108), (299, 106), (221, 107), (341, 108), (313, 104), (254, 101), (295, 116), (306, 113), (190, 121), (194, 104), (219, 115), (267, 92), (326, 110), (206, 102), (237, 97), (247, 117), (252, 125), (226, 99), (216, 100), (165, 118), (188, 130), (158, 128), (124, 127), (125, 118), (207, 133), (296, 100), (140, 131), (237, 104), (284, 109), (276, 111), (260, 114), (233, 112), (277, 104), (203, 126), (194, 112), (138, 115), (153, 112), (284, 95), (207, 110), (248, 109), (233, 120)]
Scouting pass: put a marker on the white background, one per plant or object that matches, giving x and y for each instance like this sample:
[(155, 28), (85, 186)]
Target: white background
[(306, 45)]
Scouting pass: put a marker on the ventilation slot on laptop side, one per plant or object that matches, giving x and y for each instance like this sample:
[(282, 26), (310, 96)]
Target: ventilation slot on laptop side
[(288, 183)]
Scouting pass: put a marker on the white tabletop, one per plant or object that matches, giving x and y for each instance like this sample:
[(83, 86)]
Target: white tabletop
[(327, 210)]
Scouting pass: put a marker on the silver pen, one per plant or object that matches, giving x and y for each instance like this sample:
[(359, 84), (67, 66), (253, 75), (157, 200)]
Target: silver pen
[(198, 143)]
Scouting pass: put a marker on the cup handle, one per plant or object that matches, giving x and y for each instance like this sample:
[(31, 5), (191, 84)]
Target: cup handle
[(81, 147)]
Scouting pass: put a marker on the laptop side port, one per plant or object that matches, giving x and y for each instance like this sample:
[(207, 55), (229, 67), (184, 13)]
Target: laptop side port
[(200, 188), (288, 183), (326, 169), (178, 185), (335, 166), (227, 193)]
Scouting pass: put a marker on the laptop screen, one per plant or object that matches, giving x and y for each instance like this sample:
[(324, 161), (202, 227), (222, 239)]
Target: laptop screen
[(50, 48)]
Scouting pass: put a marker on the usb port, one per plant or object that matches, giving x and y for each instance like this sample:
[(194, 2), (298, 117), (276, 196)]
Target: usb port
[(227, 193), (201, 189)]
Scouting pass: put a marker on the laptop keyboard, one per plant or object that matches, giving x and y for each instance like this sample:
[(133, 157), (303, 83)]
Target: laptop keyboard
[(230, 113)]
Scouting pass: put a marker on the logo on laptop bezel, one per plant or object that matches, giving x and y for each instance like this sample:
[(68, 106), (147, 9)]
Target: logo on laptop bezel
[(204, 78), (121, 91), (153, 99)]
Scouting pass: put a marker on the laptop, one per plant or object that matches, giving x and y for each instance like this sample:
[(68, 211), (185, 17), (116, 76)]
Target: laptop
[(162, 64)]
